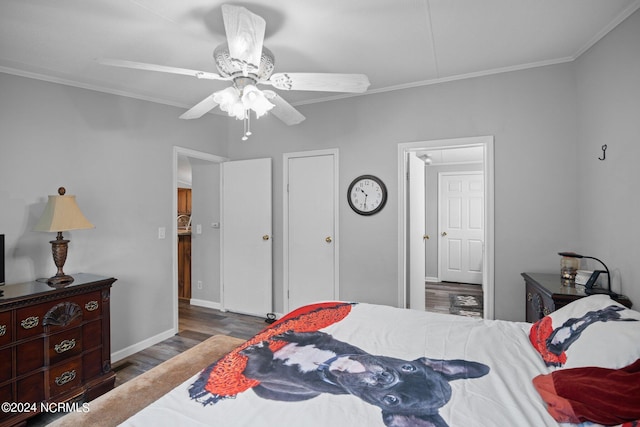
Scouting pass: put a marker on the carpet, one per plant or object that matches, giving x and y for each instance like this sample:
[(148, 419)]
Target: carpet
[(122, 402), (466, 305)]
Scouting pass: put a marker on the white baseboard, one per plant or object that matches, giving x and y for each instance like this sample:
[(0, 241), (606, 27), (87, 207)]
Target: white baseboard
[(132, 349), (205, 303), (431, 279)]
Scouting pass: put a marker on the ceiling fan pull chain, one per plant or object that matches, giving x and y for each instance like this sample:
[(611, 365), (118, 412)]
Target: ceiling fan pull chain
[(247, 125)]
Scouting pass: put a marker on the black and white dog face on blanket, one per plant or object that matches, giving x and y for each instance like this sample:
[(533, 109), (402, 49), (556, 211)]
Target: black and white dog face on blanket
[(408, 392)]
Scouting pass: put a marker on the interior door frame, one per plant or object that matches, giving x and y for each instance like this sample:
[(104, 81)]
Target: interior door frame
[(186, 152), (285, 220), (488, 273)]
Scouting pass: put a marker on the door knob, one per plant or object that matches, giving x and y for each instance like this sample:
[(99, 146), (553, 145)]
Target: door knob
[(328, 239), (444, 233), (265, 237)]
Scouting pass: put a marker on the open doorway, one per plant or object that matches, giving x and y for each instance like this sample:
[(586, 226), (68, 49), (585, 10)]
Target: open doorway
[(195, 229), (431, 250)]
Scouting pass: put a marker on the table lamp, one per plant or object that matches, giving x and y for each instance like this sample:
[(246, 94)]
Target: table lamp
[(589, 289), (61, 214)]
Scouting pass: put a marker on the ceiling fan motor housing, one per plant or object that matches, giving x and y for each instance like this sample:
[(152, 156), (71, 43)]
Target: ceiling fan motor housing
[(234, 68)]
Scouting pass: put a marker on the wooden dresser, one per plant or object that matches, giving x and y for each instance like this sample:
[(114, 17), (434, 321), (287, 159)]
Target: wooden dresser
[(546, 293), (54, 344)]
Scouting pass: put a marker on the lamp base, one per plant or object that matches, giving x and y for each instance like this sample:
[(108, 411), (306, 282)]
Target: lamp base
[(59, 280)]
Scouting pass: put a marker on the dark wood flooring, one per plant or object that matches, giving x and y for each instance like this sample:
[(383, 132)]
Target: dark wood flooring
[(437, 295), (195, 325)]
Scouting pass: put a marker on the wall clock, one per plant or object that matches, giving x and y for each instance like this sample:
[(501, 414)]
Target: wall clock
[(367, 195)]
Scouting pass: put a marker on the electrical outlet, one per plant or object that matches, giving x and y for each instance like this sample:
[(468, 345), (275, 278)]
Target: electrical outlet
[(199, 229), (162, 232), (199, 284)]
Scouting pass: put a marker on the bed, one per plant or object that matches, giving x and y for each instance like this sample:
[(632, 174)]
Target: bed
[(336, 363)]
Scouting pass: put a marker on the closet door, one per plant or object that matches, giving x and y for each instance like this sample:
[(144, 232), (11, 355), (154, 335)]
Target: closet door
[(311, 240), (246, 237)]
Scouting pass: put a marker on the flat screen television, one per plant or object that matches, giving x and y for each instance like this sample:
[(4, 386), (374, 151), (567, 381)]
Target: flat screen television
[(1, 259)]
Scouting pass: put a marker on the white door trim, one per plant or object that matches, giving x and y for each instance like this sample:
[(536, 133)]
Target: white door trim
[(488, 273), (285, 220), (187, 152)]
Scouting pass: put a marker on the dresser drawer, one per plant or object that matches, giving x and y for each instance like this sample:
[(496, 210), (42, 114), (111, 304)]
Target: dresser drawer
[(92, 334), (6, 365), (6, 395), (91, 305), (29, 320), (30, 388), (30, 356), (64, 345), (65, 377), (6, 331)]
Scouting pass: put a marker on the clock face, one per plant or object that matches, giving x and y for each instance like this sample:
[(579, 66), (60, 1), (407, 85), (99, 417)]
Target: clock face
[(367, 195)]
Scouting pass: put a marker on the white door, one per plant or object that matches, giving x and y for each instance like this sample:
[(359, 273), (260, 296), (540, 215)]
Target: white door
[(461, 226), (311, 229), (246, 236), (417, 258)]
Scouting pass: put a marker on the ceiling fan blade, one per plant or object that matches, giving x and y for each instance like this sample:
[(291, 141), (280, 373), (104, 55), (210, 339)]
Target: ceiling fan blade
[(325, 82), (283, 110), (162, 68), (245, 34), (200, 108)]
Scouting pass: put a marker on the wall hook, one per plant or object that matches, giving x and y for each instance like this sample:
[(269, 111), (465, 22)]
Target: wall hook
[(604, 152)]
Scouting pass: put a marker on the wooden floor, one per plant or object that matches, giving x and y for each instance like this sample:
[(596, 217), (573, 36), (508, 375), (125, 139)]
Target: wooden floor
[(196, 324), (437, 295)]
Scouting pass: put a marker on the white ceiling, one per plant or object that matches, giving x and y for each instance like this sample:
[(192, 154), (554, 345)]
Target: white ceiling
[(397, 43)]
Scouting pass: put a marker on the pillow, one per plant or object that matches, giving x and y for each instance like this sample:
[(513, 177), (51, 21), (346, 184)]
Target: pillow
[(591, 331)]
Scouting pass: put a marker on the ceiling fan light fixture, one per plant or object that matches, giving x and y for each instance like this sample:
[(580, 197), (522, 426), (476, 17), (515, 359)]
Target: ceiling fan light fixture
[(254, 99)]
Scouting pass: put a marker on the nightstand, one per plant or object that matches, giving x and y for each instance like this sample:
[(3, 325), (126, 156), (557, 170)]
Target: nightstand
[(546, 293)]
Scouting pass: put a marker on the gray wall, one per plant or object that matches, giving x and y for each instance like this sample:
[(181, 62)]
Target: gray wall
[(532, 115), (608, 87), (205, 247), (115, 154)]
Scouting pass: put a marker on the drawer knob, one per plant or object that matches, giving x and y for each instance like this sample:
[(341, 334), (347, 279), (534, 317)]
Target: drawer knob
[(3, 330), (64, 345), (91, 306), (66, 377), (30, 322)]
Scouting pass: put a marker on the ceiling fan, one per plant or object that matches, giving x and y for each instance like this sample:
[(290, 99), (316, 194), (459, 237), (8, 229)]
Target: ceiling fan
[(244, 61)]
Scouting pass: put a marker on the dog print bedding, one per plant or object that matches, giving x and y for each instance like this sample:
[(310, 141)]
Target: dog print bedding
[(356, 364)]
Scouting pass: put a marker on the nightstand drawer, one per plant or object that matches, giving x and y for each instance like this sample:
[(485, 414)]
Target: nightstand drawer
[(538, 305)]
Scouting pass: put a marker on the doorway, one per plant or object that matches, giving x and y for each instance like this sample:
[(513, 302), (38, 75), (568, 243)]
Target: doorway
[(450, 151), (194, 169)]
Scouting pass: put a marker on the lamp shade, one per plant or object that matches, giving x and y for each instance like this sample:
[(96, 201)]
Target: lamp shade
[(62, 214)]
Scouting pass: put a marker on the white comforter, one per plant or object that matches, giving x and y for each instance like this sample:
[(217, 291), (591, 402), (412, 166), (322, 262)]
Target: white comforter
[(503, 397)]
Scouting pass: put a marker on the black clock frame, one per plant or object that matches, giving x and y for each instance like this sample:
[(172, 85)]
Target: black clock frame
[(382, 202)]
